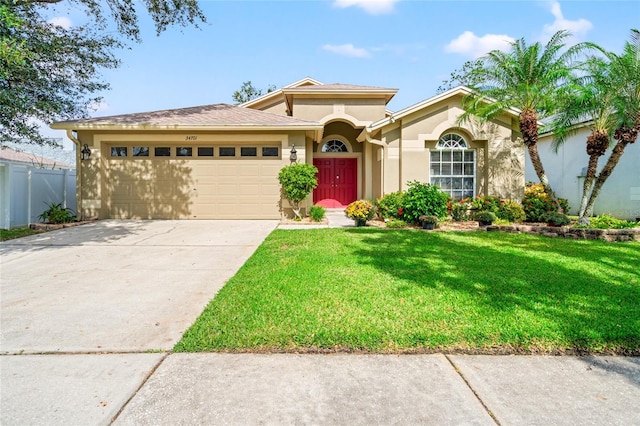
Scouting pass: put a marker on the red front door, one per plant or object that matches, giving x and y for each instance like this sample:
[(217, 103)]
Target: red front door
[(337, 181)]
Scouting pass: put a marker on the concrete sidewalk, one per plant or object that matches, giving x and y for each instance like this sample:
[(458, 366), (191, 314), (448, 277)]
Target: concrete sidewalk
[(338, 389), (387, 389)]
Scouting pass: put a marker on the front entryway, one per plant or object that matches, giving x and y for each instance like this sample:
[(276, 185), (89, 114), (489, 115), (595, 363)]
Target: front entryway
[(337, 181)]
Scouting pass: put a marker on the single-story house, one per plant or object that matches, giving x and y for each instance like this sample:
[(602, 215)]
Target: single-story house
[(221, 161), (566, 168)]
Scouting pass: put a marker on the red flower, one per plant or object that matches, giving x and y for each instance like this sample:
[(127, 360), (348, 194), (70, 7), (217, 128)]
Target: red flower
[(399, 211)]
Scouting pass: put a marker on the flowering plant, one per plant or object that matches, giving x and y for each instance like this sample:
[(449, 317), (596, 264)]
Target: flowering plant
[(537, 203), (360, 210)]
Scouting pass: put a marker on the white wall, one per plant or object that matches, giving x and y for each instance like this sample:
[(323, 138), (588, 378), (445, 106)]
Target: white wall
[(620, 195), (26, 191)]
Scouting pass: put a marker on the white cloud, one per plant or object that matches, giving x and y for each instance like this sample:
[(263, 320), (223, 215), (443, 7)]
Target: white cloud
[(471, 45), (347, 50), (61, 21), (578, 28), (373, 7)]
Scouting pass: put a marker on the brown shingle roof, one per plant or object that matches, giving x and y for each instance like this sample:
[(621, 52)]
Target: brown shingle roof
[(216, 115)]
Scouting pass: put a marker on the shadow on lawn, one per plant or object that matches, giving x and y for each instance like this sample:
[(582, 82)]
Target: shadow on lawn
[(588, 291)]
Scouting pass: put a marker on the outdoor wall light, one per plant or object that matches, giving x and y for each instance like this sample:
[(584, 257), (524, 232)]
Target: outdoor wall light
[(86, 152), (294, 156)]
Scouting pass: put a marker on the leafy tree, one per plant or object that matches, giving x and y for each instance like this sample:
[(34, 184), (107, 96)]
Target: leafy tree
[(50, 73), (298, 180), (530, 78), (247, 92), (461, 77)]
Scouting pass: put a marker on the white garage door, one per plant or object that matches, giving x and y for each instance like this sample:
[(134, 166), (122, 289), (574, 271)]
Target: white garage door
[(193, 182)]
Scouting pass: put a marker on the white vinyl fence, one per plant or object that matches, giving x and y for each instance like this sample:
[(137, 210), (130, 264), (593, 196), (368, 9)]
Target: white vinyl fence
[(26, 191)]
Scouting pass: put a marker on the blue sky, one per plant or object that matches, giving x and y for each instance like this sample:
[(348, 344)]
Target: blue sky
[(410, 45)]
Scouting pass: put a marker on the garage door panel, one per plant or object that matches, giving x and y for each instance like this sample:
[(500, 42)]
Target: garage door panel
[(249, 171), (193, 188), (201, 191), (224, 189), (249, 189)]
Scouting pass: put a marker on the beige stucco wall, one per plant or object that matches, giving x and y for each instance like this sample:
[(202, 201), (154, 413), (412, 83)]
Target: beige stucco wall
[(359, 112), (408, 141), (179, 202), (276, 106)]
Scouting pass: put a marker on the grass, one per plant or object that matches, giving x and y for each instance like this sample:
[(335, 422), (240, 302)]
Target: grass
[(10, 234), (410, 291)]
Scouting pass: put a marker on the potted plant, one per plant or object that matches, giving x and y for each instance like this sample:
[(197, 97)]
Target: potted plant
[(360, 211), (485, 218), (556, 219), (428, 221)]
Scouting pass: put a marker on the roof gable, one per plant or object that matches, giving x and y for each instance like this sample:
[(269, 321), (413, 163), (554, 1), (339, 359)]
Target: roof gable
[(441, 97), (271, 96)]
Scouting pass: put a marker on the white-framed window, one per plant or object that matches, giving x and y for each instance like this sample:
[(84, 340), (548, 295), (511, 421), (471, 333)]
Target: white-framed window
[(453, 167)]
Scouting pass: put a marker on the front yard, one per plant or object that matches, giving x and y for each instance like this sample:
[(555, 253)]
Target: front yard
[(411, 291)]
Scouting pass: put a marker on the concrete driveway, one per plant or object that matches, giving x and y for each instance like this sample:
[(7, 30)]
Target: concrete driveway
[(126, 289), (117, 286)]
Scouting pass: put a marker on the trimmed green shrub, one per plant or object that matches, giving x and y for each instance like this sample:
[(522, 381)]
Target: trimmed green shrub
[(485, 217), (556, 219), (316, 213), (422, 199), (389, 206), (536, 203)]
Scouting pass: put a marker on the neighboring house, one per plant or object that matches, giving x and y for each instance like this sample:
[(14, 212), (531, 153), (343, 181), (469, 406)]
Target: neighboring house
[(221, 161), (620, 195), (28, 183)]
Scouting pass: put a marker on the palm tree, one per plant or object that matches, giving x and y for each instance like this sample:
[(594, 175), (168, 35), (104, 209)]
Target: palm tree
[(529, 78), (591, 99), (623, 74)]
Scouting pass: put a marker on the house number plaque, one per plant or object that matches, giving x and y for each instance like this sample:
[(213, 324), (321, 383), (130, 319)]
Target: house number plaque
[(191, 138)]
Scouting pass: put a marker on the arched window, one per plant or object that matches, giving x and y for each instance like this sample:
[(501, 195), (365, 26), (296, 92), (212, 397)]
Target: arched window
[(453, 167), (453, 141), (334, 145)]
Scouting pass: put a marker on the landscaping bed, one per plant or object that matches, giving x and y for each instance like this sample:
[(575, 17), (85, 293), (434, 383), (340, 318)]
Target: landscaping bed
[(610, 235), (54, 226)]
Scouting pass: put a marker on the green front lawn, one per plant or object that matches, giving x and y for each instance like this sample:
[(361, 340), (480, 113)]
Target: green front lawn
[(395, 291)]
